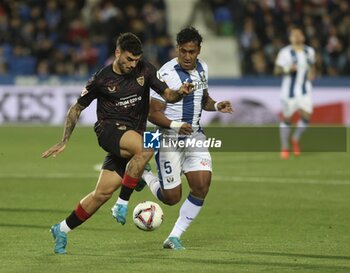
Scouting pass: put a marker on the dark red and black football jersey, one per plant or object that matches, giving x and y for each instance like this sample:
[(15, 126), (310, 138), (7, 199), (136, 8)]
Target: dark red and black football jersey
[(123, 98)]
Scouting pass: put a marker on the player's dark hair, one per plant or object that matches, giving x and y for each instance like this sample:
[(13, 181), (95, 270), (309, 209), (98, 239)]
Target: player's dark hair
[(295, 27), (189, 34), (129, 42)]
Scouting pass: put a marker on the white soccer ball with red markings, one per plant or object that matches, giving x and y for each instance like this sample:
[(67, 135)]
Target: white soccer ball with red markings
[(148, 216)]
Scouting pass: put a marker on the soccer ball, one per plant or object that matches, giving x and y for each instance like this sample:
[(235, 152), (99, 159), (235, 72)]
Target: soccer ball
[(148, 216)]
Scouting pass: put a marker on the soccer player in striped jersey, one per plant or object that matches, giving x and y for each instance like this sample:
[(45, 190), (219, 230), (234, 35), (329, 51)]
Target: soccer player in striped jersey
[(295, 63), (183, 118)]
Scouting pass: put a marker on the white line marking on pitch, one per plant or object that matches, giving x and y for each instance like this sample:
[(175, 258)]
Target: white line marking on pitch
[(280, 180)]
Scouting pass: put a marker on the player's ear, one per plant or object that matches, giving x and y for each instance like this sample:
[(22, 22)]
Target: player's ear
[(117, 53)]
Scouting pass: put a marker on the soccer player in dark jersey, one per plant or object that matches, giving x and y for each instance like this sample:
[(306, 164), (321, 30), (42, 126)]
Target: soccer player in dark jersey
[(122, 91)]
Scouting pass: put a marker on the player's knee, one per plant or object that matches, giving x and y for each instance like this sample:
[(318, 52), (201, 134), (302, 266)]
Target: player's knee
[(143, 156), (201, 190), (172, 200), (102, 196)]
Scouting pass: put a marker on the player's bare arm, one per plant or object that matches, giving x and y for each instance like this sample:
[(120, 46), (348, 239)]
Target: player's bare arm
[(175, 96), (71, 120), (157, 116), (312, 73), (210, 105), (279, 70)]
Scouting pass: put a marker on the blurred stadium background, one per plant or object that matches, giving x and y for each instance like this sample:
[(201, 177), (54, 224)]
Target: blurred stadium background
[(48, 49), (262, 214)]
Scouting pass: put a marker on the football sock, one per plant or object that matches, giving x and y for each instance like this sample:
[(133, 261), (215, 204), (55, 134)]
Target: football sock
[(122, 202), (153, 184), (188, 212), (129, 181), (284, 134), (76, 218), (128, 185), (64, 227), (125, 194), (300, 128)]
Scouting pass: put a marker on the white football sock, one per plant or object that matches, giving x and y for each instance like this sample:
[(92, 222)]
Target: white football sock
[(284, 134), (300, 129), (152, 182), (64, 227), (122, 201), (188, 212)]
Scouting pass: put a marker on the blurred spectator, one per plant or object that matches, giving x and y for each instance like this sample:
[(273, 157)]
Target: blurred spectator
[(75, 37), (326, 24)]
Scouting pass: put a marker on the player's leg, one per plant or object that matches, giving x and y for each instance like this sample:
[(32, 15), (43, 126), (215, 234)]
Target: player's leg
[(288, 109), (166, 187), (130, 146), (197, 168), (303, 123), (108, 182)]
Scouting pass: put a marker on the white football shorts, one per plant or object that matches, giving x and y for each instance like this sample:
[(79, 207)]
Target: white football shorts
[(172, 162), (292, 105)]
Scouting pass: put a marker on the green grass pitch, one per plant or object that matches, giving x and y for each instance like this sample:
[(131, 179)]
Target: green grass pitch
[(261, 215)]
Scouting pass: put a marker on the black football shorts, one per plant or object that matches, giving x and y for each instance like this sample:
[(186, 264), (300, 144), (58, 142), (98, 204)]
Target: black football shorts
[(109, 135)]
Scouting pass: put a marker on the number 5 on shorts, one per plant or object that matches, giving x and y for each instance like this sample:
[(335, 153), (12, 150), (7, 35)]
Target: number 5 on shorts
[(167, 167)]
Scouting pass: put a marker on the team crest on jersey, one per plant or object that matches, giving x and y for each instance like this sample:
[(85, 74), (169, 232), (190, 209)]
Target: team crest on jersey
[(112, 89), (170, 179), (141, 80), (202, 75)]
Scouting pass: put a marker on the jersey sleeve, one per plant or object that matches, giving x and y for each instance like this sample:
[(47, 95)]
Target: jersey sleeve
[(312, 55), (283, 59), (156, 96), (155, 81), (90, 92)]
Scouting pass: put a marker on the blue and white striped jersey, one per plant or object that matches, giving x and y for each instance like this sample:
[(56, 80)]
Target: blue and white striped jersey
[(296, 85), (189, 109)]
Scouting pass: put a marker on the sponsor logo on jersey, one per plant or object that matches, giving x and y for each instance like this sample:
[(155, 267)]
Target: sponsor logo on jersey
[(141, 80), (129, 101)]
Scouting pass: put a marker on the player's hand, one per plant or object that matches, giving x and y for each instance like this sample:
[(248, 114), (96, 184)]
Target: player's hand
[(225, 107), (54, 150), (293, 68), (185, 129), (186, 88)]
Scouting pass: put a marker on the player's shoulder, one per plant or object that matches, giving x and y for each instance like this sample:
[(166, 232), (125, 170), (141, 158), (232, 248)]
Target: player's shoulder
[(309, 49), (145, 65), (169, 66), (101, 74), (104, 71), (202, 63), (169, 70), (286, 49)]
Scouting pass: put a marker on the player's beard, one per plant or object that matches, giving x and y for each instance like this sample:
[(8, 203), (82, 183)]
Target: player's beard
[(123, 68)]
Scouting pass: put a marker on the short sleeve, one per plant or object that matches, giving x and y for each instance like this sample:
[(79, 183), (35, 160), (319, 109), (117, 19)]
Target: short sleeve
[(90, 92), (155, 81), (156, 96), (312, 55), (283, 59)]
